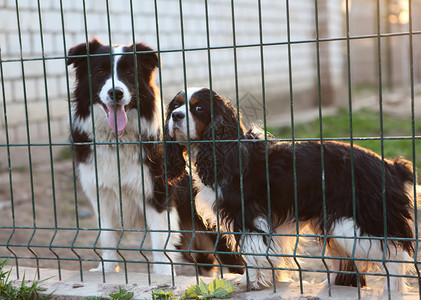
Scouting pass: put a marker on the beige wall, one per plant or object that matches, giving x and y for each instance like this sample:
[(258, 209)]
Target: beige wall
[(364, 52), (333, 68)]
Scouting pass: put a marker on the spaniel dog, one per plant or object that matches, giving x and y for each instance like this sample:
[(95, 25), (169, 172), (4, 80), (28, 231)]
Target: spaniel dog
[(266, 190)]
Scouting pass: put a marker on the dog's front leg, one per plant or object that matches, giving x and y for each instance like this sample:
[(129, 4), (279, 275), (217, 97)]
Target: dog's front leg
[(261, 255), (108, 232), (163, 237)]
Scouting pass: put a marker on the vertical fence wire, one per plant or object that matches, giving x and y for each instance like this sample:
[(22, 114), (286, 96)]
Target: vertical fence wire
[(28, 139), (414, 166), (113, 67), (380, 89), (139, 124), (50, 146), (71, 142), (218, 234), (294, 162), (237, 101), (322, 159), (94, 143), (351, 142), (212, 109), (166, 191), (180, 7), (9, 165), (262, 70)]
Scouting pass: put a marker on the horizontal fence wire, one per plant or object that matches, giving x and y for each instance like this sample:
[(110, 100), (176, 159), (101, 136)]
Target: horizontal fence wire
[(141, 254), (194, 49), (390, 138)]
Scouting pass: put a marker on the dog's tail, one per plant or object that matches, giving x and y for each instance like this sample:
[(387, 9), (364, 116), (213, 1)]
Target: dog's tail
[(404, 195), (404, 169)]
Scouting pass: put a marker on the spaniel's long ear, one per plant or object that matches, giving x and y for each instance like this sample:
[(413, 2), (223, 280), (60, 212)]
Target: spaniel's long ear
[(176, 163), (82, 50), (226, 126)]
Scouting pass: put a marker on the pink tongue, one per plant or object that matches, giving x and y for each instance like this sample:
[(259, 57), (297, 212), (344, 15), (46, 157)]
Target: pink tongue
[(120, 113)]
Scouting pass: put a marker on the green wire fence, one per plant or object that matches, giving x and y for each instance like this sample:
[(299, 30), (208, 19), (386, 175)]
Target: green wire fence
[(233, 47)]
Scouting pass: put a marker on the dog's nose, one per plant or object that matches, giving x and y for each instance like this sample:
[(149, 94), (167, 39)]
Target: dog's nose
[(118, 93), (178, 115)]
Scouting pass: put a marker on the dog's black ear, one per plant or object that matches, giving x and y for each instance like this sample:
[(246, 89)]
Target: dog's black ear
[(82, 50), (176, 163), (226, 126), (147, 62)]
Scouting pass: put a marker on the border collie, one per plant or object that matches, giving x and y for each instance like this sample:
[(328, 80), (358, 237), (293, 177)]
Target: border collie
[(124, 110), (265, 226)]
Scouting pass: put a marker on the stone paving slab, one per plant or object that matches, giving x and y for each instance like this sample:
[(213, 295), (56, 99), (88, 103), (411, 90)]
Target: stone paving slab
[(71, 287)]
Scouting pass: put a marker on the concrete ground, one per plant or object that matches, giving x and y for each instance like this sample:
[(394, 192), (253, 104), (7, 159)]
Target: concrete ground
[(71, 287)]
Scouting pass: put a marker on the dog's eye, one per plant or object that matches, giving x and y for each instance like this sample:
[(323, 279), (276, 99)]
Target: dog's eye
[(176, 105), (100, 72), (199, 109), (129, 72)]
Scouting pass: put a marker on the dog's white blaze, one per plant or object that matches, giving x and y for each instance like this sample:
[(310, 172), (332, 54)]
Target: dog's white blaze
[(182, 126), (103, 94), (191, 91)]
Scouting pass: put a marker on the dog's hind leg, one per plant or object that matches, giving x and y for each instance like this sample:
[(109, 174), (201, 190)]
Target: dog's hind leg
[(163, 238), (345, 265), (350, 279), (372, 249), (261, 255), (395, 270)]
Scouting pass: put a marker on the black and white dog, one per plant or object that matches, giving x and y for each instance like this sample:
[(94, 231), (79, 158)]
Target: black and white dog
[(281, 217), (112, 84), (127, 106)]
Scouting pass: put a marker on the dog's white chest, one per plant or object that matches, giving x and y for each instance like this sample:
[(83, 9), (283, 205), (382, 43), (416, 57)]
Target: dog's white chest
[(114, 168), (205, 202)]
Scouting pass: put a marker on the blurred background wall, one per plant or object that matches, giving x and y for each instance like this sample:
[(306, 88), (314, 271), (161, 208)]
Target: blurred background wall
[(31, 84)]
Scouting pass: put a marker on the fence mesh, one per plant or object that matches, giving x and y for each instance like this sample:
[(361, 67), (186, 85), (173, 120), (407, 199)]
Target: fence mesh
[(283, 63)]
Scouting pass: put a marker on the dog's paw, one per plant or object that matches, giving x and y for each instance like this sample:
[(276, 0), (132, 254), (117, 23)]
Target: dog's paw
[(241, 282), (237, 279), (234, 278), (108, 267), (326, 282)]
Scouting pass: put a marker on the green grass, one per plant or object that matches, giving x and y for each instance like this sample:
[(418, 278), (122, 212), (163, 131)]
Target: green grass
[(64, 154), (366, 123), (122, 294), (21, 292)]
